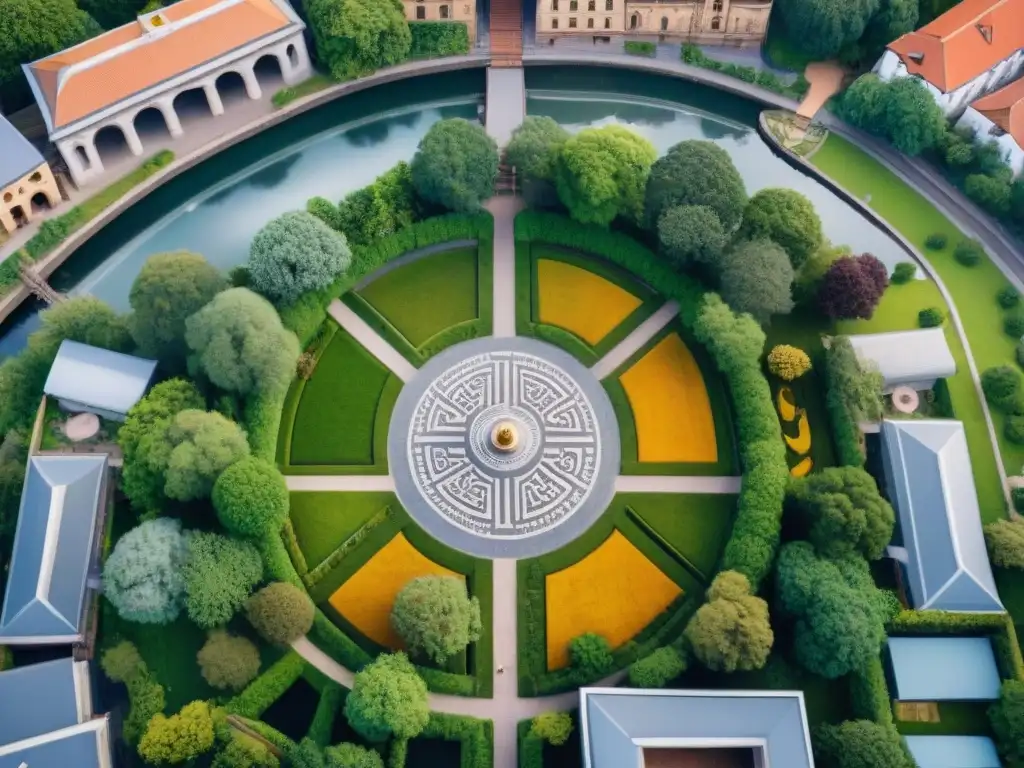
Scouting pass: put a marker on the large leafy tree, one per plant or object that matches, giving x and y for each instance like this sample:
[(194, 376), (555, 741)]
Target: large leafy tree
[(731, 632), (143, 578), (455, 165), (376, 210), (280, 613), (601, 173), (756, 276), (691, 233), (113, 13), (238, 342), (251, 498), (843, 512), (169, 288), (179, 738), (786, 217), (294, 254), (388, 699), (533, 153), (823, 27), (696, 172), (245, 752), (355, 37), (861, 744), (894, 19), (436, 617), (220, 574), (912, 119), (852, 287)]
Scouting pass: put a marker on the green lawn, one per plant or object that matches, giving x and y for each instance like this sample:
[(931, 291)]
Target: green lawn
[(956, 718), (322, 521), (973, 290), (428, 295), (334, 422)]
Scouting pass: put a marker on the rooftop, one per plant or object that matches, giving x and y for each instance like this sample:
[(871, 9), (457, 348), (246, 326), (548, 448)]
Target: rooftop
[(98, 378), (959, 751), (944, 669), (1005, 108), (931, 358), (968, 39), (18, 157)]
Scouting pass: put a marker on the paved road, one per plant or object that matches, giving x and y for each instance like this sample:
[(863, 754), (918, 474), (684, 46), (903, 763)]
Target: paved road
[(504, 210), (370, 339), (636, 339)]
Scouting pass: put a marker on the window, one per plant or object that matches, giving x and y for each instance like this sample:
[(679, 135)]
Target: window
[(8, 197), (446, 11), (609, 5), (717, 6), (36, 177), (634, 21), (664, 23), (554, 5), (591, 5), (572, 23), (554, 23), (421, 12), (574, 5), (590, 23), (716, 23), (607, 23)]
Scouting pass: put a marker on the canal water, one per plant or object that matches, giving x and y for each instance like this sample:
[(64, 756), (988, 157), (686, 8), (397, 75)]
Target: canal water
[(216, 208)]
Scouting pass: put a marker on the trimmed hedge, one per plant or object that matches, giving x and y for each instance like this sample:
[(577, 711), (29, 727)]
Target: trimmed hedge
[(353, 541), (331, 698), (268, 687), (438, 38), (692, 54), (336, 644), (841, 363), (531, 749), (262, 422), (869, 694), (475, 736), (641, 48), (291, 543), (268, 732), (997, 626)]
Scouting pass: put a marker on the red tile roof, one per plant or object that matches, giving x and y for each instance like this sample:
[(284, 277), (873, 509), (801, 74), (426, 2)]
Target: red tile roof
[(1005, 108)]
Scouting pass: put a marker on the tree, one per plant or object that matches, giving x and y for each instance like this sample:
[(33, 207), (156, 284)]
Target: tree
[(696, 172), (657, 669), (851, 289), (238, 341), (894, 19), (169, 288), (863, 103), (113, 13), (455, 165), (378, 209), (355, 37), (178, 738), (122, 662), (823, 27), (553, 727), (1007, 719), (294, 254), (534, 148), (251, 498), (347, 755), (142, 578), (590, 656), (228, 662), (691, 233), (244, 752), (388, 699), (837, 612), (436, 617), (601, 173), (861, 744), (734, 340), (304, 754), (843, 512), (280, 613), (992, 194), (787, 362), (786, 217), (1005, 539), (757, 277), (731, 631), (1002, 387), (220, 574), (912, 119)]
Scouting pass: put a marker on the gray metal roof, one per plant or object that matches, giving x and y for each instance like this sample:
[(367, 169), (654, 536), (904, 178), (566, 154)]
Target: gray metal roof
[(929, 470), (46, 584), (81, 746), (944, 669), (98, 378), (903, 357), (953, 751), (17, 155), (617, 724)]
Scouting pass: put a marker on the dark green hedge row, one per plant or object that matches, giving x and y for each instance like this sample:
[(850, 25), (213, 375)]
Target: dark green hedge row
[(398, 752), (331, 699), (869, 694), (268, 687), (291, 544), (475, 736), (438, 38), (693, 54), (336, 644), (262, 423), (269, 733), (332, 560), (998, 626), (841, 366), (531, 749)]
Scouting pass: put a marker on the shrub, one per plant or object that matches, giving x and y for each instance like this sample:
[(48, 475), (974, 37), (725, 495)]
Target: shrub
[(388, 700), (280, 613), (1001, 385), (219, 575), (932, 317), (640, 48), (436, 617), (355, 37), (756, 276), (1013, 325), (228, 661), (903, 273), (731, 631), (242, 751), (696, 172), (534, 147), (861, 744), (146, 699), (1007, 719), (122, 662), (936, 241), (852, 287), (1008, 297), (1017, 497), (268, 687), (553, 727), (142, 578), (590, 656), (1005, 539), (380, 209), (455, 165), (438, 38), (347, 755), (251, 498), (785, 217), (1014, 429), (788, 363), (691, 233), (657, 669), (178, 738), (968, 252)]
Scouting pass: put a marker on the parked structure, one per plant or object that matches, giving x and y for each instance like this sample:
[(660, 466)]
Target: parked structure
[(55, 548), (443, 10), (107, 82), (888, 353), (26, 182), (709, 22), (971, 50), (941, 547), (943, 669), (639, 728), (999, 118), (961, 751), (96, 380)]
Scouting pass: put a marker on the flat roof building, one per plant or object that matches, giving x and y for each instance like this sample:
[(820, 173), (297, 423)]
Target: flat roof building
[(93, 379), (943, 669), (958, 751), (915, 359)]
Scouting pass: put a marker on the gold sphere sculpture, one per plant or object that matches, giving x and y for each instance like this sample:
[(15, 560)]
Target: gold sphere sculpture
[(505, 437)]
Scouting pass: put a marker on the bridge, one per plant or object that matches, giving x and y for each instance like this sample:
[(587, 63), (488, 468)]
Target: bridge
[(506, 88), (38, 285)]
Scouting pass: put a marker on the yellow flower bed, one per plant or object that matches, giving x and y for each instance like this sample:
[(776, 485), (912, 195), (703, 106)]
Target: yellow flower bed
[(614, 591), (580, 301), (366, 598), (670, 405)]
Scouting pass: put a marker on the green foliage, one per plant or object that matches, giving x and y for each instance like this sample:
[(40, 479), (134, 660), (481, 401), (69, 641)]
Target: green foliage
[(352, 755), (691, 233), (969, 252), (787, 362), (268, 687), (641, 48), (113, 13), (1005, 539), (900, 110), (179, 738), (435, 617), (861, 744), (1013, 325), (294, 254), (146, 699), (1017, 497), (785, 217), (991, 193), (757, 277), (823, 27), (388, 699), (657, 669), (251, 498), (903, 273), (455, 165), (142, 578), (696, 173), (842, 512), (228, 662), (936, 241), (553, 727), (731, 632), (1008, 297), (475, 737), (438, 38), (692, 54), (169, 288), (379, 209), (280, 613), (244, 752), (590, 656), (534, 148), (1007, 719), (1001, 385), (807, 282), (238, 342), (894, 19), (355, 37), (930, 317), (122, 662), (305, 754), (601, 172), (219, 575)]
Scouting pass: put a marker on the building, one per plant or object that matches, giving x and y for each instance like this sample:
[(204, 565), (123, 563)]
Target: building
[(443, 10), (56, 548), (107, 82), (709, 22), (971, 50), (939, 542), (637, 728), (96, 380), (961, 751), (999, 118), (933, 669), (48, 718), (888, 353), (26, 183)]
